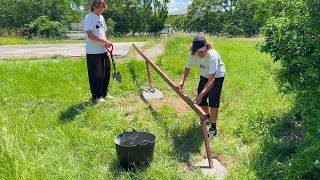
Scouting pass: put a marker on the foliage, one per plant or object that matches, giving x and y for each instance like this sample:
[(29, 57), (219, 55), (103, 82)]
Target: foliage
[(293, 40), (121, 25), (17, 13), (267, 9), (110, 27), (235, 18), (147, 16), (45, 28)]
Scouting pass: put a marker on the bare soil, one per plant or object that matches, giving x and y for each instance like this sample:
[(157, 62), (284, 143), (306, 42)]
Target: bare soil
[(152, 53), (176, 103)]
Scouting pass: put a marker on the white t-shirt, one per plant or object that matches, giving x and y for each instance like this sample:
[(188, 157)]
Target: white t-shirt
[(98, 26), (209, 64)]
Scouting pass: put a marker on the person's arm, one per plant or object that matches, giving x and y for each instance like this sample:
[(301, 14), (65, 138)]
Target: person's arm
[(206, 88), (183, 79), (98, 39), (110, 43)]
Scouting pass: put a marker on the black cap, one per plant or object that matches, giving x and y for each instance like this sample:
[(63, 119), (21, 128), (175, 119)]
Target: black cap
[(198, 43)]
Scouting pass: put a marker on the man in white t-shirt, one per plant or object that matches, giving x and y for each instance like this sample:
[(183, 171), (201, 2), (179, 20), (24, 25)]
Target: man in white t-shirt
[(98, 62), (212, 69)]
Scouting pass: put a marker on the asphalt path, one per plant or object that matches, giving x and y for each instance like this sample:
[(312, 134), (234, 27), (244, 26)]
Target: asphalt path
[(73, 50)]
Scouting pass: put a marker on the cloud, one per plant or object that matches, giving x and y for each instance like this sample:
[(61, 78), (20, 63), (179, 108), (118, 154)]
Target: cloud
[(175, 5)]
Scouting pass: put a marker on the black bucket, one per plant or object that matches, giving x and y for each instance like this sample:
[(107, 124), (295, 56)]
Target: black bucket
[(134, 148)]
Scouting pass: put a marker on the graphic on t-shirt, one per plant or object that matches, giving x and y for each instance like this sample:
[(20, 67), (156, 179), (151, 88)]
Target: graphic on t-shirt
[(99, 24), (202, 66)]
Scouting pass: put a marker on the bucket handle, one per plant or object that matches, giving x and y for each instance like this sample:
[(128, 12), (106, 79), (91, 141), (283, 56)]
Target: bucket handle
[(139, 144), (124, 130)]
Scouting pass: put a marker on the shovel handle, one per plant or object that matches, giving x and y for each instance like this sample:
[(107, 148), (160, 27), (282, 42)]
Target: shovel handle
[(110, 50)]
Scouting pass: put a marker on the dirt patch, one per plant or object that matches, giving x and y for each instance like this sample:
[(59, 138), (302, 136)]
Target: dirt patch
[(152, 53), (176, 103)]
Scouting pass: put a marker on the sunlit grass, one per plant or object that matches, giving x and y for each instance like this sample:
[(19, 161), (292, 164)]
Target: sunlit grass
[(24, 41), (50, 130)]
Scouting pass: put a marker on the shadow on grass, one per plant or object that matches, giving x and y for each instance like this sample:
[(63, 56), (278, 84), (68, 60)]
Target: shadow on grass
[(119, 173), (187, 143), (292, 149), (71, 113), (288, 152)]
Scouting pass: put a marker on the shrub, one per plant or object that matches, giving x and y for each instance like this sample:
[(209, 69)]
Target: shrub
[(110, 27), (293, 40), (43, 27)]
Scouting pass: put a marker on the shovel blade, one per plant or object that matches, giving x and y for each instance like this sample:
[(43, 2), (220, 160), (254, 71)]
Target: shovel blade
[(117, 77)]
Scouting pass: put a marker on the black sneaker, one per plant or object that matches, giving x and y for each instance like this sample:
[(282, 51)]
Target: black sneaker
[(212, 132)]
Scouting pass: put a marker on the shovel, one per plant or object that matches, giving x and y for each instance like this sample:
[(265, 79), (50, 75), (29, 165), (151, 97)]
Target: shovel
[(116, 75)]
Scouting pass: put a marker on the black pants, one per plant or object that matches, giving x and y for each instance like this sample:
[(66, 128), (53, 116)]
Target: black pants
[(99, 74)]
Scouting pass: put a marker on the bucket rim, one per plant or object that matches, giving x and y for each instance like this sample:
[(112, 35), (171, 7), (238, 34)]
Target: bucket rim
[(119, 136)]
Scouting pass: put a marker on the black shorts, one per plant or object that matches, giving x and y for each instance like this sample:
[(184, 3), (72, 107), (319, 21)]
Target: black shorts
[(213, 94)]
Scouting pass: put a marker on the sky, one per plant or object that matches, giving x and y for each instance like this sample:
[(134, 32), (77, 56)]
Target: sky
[(175, 5)]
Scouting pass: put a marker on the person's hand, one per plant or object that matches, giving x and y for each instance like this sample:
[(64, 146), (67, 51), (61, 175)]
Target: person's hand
[(108, 44), (198, 99), (179, 86)]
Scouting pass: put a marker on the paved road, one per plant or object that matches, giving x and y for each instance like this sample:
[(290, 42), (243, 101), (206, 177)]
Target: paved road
[(73, 50)]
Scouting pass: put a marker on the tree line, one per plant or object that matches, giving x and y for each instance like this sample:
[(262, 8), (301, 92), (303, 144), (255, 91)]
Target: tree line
[(216, 17), (227, 17), (122, 16)]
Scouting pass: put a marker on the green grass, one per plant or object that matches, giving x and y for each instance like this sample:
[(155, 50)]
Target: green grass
[(23, 41), (50, 130)]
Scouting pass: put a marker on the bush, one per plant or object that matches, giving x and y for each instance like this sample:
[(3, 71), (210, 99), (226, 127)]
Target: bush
[(43, 27), (110, 27), (8, 32), (293, 40), (232, 30)]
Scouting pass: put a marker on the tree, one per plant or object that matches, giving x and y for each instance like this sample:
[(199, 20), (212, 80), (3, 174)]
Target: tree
[(232, 17), (267, 9), (17, 13), (157, 19), (137, 15)]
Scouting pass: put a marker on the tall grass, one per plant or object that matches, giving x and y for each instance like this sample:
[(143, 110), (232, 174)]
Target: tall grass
[(49, 129)]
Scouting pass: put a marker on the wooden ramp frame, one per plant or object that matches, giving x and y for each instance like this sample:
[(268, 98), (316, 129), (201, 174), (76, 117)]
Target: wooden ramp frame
[(194, 106)]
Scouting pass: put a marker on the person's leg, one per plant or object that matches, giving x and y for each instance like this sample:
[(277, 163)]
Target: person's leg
[(204, 103), (214, 114), (91, 64), (205, 109), (106, 80), (95, 74), (214, 103)]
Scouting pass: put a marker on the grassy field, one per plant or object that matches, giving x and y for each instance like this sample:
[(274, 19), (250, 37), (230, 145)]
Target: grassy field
[(50, 130), (23, 41)]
